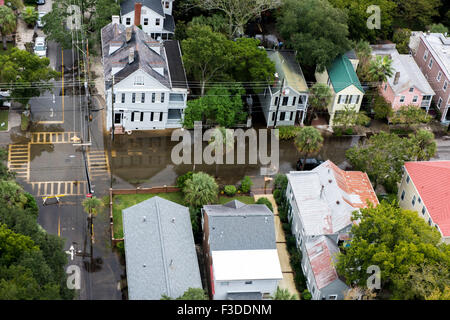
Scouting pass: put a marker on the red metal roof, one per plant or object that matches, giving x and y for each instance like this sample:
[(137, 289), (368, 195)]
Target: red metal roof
[(354, 182), (432, 181), (321, 252)]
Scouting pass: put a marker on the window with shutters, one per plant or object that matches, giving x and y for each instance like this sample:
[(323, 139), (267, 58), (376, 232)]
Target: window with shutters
[(293, 101), (142, 97), (160, 116), (162, 97), (123, 97), (285, 101), (133, 97), (153, 97)]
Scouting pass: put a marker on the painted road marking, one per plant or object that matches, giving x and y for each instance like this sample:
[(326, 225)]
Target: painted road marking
[(19, 160), (54, 137), (60, 188), (62, 96), (98, 163)]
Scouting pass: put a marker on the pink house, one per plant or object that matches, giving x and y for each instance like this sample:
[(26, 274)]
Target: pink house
[(407, 85), (432, 55)]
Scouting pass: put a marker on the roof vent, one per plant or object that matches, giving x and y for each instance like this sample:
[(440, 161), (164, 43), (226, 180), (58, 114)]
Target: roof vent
[(173, 220), (144, 265), (330, 181), (266, 219), (397, 77), (337, 202), (144, 218)]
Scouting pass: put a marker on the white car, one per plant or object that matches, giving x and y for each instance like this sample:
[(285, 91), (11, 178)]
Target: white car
[(40, 47), (4, 95), (40, 24)]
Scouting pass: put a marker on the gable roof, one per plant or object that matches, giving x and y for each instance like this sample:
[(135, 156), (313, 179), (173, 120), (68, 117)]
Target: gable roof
[(410, 74), (145, 58), (287, 67), (342, 74), (322, 254), (127, 6), (432, 181), (327, 196), (159, 250), (237, 226)]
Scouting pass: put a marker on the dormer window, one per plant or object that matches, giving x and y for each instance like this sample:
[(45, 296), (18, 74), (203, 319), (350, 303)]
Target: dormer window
[(411, 89), (128, 21)]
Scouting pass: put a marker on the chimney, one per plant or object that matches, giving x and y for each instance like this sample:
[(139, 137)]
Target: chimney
[(131, 56), (397, 76), (129, 32), (115, 19), (137, 13)]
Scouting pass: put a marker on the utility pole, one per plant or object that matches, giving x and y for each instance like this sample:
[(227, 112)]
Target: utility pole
[(112, 109), (278, 104)]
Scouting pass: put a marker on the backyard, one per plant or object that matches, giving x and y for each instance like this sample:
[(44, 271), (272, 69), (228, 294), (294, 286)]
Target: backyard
[(123, 201)]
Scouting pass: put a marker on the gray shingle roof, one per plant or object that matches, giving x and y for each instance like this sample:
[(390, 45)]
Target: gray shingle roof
[(237, 226), (128, 6), (169, 23), (159, 250), (144, 57)]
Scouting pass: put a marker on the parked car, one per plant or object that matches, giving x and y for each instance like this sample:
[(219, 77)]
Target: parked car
[(40, 47), (310, 163), (40, 1), (40, 24)]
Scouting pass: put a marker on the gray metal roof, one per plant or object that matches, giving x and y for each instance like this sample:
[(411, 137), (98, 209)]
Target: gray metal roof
[(237, 226), (128, 6), (169, 23), (176, 69), (244, 296), (145, 58), (159, 250)]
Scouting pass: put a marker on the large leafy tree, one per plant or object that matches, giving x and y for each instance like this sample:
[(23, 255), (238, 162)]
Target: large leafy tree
[(309, 140), (416, 14), (206, 54), (401, 38), (349, 117), (201, 189), (358, 16), (380, 69), (237, 12), (402, 245), (7, 23), (423, 144), (220, 106), (316, 29), (26, 74)]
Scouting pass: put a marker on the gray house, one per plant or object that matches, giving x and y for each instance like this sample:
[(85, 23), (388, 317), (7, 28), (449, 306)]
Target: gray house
[(159, 250), (240, 251), (290, 99)]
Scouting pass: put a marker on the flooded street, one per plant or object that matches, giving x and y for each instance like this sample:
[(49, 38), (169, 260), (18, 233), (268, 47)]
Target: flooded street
[(143, 159)]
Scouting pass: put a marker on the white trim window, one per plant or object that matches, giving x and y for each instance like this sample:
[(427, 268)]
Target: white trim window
[(415, 99), (445, 86), (439, 102), (385, 87), (411, 89), (128, 21), (402, 99), (430, 64), (439, 76), (139, 80), (425, 56)]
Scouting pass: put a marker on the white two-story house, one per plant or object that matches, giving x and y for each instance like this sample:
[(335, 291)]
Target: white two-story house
[(321, 203), (145, 81), (154, 16), (240, 251), (284, 102)]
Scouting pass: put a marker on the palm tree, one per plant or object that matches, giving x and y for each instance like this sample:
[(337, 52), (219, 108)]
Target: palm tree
[(308, 140), (7, 23), (201, 189), (319, 98), (380, 69), (283, 294), (91, 206)]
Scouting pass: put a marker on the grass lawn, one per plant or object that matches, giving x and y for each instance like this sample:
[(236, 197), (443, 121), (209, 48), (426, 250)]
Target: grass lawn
[(124, 201), (4, 118)]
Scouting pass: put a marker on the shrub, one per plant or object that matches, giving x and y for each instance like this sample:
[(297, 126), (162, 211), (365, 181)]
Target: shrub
[(230, 190), (349, 131), (195, 214), (288, 132), (246, 184), (31, 205), (283, 213), (291, 246), (121, 248), (277, 196), (201, 189), (286, 227), (280, 182), (306, 295), (181, 180), (266, 202), (300, 281), (382, 108)]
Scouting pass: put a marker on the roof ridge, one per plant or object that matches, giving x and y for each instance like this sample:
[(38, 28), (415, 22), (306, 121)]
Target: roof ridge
[(163, 251)]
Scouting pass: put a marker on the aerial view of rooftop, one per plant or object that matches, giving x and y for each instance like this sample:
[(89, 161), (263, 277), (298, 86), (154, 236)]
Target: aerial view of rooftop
[(239, 152)]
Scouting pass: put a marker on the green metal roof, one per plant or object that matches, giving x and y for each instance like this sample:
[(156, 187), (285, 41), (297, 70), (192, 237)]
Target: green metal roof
[(342, 75)]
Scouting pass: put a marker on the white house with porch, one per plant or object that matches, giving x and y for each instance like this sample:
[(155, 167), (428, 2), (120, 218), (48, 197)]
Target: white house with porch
[(145, 81), (154, 16), (286, 99)]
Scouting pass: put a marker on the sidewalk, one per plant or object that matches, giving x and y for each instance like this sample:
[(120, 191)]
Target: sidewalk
[(288, 275), (23, 34), (13, 127)]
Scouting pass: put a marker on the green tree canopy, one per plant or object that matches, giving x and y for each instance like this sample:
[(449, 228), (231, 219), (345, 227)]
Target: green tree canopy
[(349, 117), (400, 243), (319, 98), (201, 189), (7, 23), (189, 294), (401, 38), (284, 294), (309, 140), (30, 15), (220, 106), (416, 14), (27, 74), (437, 28), (316, 29)]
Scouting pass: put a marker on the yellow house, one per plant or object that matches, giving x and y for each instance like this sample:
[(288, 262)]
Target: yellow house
[(344, 83), (425, 188)]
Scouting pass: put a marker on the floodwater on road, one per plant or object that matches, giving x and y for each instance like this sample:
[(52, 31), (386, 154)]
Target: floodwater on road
[(144, 159)]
